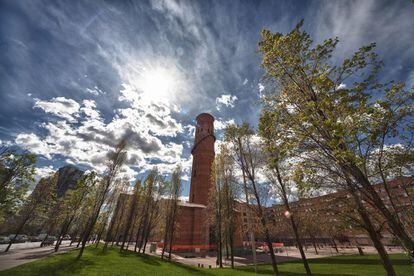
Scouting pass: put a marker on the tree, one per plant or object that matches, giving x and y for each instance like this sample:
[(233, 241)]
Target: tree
[(16, 173), (175, 188), (84, 212), (51, 208), (72, 201), (116, 159), (248, 156), (155, 189), (332, 110), (216, 202), (132, 209), (150, 209), (222, 201), (115, 207), (35, 204), (278, 156), (320, 172)]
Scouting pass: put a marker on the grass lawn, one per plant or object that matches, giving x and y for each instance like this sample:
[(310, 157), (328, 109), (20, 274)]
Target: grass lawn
[(94, 262)]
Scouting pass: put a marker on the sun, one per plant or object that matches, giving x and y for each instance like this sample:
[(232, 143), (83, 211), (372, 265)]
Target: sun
[(157, 84)]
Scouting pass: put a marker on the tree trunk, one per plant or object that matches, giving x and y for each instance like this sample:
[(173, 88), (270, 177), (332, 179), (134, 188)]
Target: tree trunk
[(74, 236), (136, 242), (101, 232), (373, 234), (109, 234), (271, 251), (129, 221), (335, 246), (220, 245), (18, 232), (63, 232), (396, 227), (88, 232), (146, 235), (118, 226), (292, 221), (58, 243), (167, 225), (313, 243), (246, 193), (45, 238), (231, 241), (361, 253), (164, 246), (83, 241), (171, 241), (79, 241), (300, 246), (137, 234), (266, 230)]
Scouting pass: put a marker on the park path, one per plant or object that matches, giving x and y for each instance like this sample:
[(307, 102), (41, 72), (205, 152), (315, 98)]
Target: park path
[(288, 254), (22, 255)]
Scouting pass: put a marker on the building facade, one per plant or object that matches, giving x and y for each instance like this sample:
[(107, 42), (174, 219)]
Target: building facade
[(333, 217)]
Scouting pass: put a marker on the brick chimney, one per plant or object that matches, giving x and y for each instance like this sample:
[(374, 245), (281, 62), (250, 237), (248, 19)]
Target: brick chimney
[(203, 156)]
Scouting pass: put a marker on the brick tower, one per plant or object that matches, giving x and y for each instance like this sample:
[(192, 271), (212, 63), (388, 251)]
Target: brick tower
[(194, 230), (203, 157)]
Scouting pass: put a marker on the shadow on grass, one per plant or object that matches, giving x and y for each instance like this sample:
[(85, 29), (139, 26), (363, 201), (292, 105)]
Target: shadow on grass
[(149, 260), (35, 256), (69, 266), (156, 261), (192, 269)]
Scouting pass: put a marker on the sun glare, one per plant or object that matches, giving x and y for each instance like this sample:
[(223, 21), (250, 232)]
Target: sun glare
[(157, 84)]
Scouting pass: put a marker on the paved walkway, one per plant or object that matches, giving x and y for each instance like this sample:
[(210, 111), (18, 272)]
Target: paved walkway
[(22, 254), (288, 254)]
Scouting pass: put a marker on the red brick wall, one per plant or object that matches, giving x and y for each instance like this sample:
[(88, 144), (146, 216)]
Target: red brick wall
[(203, 156)]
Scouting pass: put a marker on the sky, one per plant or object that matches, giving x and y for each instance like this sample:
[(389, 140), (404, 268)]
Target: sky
[(76, 76)]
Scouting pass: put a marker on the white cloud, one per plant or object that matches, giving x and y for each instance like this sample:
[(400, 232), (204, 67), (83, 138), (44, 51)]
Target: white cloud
[(190, 130), (128, 173), (88, 139), (32, 142), (261, 87), (59, 106), (341, 86), (89, 109), (220, 124), (225, 99), (95, 91), (360, 23), (45, 171)]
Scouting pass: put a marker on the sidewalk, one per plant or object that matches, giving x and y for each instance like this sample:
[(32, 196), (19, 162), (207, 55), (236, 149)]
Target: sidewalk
[(289, 254)]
